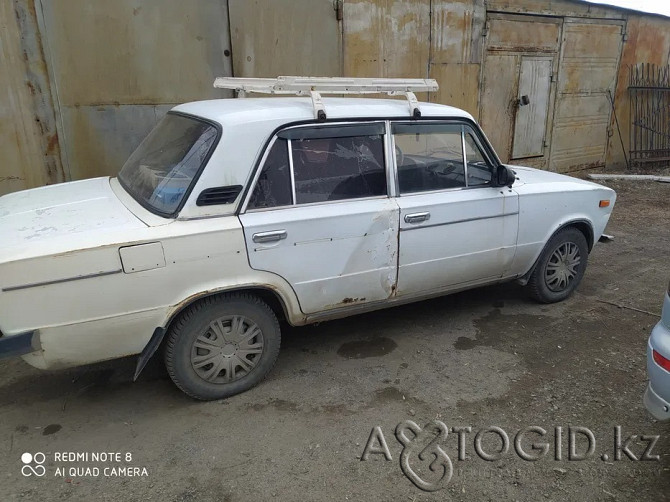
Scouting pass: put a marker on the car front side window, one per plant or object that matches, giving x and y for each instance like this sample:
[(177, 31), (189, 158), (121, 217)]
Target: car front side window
[(429, 157), (439, 156)]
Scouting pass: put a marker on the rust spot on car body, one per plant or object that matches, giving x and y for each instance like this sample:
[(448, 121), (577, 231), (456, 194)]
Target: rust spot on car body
[(346, 301)]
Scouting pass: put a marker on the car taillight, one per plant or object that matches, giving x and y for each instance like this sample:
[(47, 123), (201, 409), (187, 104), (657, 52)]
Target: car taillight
[(661, 361)]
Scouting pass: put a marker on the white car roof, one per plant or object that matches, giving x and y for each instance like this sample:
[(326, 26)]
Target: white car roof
[(241, 110)]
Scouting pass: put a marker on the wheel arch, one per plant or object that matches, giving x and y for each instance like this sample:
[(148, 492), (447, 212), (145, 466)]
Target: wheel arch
[(581, 224), (585, 227), (270, 296)]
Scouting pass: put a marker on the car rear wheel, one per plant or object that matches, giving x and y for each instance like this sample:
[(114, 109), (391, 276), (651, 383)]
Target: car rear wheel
[(222, 346), (560, 268)]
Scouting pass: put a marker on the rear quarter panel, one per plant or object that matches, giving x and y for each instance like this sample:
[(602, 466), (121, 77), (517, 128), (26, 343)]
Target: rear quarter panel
[(98, 318)]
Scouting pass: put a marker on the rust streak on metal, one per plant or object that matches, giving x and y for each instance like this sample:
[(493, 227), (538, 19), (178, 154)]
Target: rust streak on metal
[(38, 85)]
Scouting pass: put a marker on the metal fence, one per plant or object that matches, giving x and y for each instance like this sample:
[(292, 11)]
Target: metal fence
[(649, 88)]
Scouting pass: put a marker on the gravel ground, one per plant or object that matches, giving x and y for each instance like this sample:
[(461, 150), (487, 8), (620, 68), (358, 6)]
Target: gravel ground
[(489, 357)]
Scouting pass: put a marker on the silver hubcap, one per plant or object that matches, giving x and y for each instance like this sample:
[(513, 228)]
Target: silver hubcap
[(562, 267), (229, 349)]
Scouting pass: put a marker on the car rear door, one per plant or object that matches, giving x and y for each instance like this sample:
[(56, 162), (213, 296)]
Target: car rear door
[(456, 227), (319, 215)]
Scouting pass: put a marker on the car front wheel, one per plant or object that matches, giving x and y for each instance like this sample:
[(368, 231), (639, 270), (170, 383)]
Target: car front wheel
[(560, 268), (222, 345)]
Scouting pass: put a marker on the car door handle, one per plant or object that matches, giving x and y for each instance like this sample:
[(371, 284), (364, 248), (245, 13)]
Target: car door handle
[(417, 217), (274, 236)]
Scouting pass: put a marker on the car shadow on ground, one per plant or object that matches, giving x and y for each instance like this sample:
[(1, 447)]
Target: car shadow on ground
[(110, 380)]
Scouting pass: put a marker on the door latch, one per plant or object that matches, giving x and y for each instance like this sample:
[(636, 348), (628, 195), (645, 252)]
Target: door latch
[(264, 237), (417, 217)]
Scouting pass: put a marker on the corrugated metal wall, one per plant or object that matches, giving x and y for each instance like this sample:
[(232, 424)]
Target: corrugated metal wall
[(84, 80)]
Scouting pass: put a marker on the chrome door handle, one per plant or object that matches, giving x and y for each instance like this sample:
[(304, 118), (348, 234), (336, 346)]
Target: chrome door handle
[(417, 217), (274, 236)]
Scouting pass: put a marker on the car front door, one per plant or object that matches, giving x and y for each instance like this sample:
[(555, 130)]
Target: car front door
[(319, 215), (456, 227)]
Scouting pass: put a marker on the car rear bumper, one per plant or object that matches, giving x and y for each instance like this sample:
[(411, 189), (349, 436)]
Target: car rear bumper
[(656, 405), (657, 395), (19, 345)]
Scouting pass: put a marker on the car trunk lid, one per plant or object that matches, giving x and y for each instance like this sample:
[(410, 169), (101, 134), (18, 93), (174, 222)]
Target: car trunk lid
[(62, 217)]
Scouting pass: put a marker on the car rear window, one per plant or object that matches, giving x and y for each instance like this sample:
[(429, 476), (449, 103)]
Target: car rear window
[(160, 172)]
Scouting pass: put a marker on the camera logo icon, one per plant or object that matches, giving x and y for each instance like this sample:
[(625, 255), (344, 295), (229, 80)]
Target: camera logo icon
[(32, 464)]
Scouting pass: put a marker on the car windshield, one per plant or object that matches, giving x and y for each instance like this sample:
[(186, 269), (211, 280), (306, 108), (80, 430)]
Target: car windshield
[(160, 171)]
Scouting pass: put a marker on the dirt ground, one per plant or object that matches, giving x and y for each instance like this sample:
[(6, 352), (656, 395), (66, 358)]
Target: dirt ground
[(489, 357)]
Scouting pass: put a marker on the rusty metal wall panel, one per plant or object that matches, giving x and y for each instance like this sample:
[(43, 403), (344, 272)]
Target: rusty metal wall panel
[(117, 66), (386, 38), (28, 135), (589, 64), (285, 37), (19, 141), (456, 31), (108, 132), (648, 42), (563, 8), (510, 38), (456, 51), (510, 33), (136, 51), (441, 39), (459, 85)]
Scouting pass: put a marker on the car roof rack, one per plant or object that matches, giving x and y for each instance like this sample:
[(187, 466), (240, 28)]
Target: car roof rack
[(315, 86)]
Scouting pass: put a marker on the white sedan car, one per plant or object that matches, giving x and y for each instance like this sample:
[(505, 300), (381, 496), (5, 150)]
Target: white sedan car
[(235, 213)]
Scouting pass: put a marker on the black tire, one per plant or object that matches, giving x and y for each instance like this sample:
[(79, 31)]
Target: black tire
[(219, 325), (546, 289)]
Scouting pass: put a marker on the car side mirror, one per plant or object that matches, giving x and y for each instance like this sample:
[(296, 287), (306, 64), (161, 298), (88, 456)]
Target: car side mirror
[(505, 176)]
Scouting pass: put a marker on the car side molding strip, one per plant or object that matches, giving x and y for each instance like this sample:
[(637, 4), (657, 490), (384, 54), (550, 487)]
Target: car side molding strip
[(60, 281), (418, 227)]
